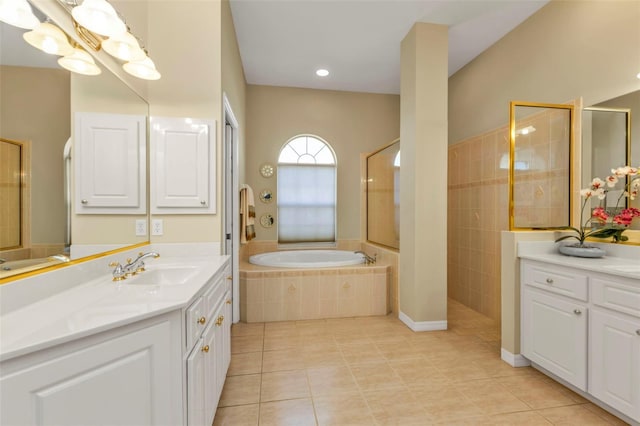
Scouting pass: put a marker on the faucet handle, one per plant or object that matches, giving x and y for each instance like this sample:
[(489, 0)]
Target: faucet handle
[(118, 272)]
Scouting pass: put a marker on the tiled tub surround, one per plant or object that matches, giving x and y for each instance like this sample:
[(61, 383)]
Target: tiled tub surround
[(385, 257), (278, 294)]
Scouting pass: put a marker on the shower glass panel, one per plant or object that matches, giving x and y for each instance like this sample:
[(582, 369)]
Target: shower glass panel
[(383, 196)]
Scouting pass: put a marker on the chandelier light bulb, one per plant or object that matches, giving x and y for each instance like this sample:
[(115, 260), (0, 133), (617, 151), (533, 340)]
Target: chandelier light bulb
[(144, 69), (18, 13), (79, 62), (124, 47), (49, 38), (100, 17)]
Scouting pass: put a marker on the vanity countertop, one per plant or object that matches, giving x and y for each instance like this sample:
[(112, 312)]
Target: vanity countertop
[(624, 263), (100, 304)]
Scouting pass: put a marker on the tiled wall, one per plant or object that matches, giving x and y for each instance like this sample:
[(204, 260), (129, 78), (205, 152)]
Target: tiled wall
[(478, 210), (286, 295)]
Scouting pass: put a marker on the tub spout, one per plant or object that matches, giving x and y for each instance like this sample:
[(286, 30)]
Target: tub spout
[(368, 259)]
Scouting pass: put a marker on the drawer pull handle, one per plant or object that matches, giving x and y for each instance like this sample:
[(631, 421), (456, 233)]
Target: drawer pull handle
[(205, 349), (202, 320), (577, 311), (549, 280)]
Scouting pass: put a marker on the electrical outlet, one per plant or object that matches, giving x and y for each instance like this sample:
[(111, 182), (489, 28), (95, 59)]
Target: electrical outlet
[(156, 227), (141, 227)]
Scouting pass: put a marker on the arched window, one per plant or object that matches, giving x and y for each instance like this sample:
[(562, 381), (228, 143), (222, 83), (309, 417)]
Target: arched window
[(306, 191)]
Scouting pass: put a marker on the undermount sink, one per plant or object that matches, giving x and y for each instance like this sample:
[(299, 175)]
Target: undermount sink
[(623, 268), (164, 275)]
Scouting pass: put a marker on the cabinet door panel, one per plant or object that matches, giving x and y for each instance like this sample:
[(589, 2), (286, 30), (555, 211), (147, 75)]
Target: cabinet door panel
[(182, 165), (111, 165), (195, 386), (614, 368), (131, 372), (555, 335)]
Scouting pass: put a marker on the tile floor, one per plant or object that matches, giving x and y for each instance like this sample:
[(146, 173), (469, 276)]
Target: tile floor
[(375, 371)]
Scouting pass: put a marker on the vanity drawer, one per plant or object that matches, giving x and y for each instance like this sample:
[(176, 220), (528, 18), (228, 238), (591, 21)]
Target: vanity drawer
[(214, 294), (566, 282), (616, 296), (196, 320)]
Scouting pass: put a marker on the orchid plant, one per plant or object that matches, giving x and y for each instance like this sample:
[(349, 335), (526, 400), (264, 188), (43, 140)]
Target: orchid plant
[(603, 223)]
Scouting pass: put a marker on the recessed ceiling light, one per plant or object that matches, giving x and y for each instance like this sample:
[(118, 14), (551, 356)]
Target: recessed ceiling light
[(322, 72)]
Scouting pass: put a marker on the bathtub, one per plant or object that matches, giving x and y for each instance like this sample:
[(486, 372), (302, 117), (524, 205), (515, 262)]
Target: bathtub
[(307, 258), (316, 284)]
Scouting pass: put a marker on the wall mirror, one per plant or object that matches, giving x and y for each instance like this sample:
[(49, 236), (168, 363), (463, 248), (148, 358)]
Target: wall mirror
[(39, 100), (383, 196), (611, 138), (540, 169)]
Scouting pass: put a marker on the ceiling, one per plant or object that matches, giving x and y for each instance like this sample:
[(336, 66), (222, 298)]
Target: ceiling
[(283, 42)]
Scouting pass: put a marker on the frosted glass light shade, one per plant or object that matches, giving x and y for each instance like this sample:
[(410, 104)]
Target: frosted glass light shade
[(18, 13), (49, 38), (100, 17), (124, 47), (80, 62), (144, 69)]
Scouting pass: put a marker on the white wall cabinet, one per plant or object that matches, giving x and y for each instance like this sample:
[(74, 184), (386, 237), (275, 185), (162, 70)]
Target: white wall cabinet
[(125, 377), (110, 163), (584, 328), (183, 159)]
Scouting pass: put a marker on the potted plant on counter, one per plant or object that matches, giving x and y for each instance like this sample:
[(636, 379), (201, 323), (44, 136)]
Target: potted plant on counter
[(604, 222)]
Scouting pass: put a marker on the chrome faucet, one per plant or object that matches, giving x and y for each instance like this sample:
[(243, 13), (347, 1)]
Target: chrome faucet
[(132, 267), (136, 266), (368, 259)]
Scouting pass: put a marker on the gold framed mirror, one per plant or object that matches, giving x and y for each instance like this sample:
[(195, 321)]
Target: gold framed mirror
[(540, 166)]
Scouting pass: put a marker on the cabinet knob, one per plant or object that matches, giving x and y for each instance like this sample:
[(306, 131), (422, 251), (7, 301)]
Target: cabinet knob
[(84, 202), (230, 278), (204, 203), (220, 320), (577, 311), (202, 320), (228, 302), (205, 349), (549, 280), (638, 332)]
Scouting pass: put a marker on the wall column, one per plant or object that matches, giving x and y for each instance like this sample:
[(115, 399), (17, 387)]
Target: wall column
[(423, 177)]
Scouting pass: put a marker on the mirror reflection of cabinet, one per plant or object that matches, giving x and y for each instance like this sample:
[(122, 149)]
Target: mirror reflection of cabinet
[(111, 165), (383, 196), (38, 101)]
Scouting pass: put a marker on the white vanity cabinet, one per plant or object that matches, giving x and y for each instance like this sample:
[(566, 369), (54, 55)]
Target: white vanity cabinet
[(125, 376), (584, 327), (208, 348)]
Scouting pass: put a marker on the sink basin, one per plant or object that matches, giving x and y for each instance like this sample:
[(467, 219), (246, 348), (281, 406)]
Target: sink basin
[(164, 275), (624, 268)]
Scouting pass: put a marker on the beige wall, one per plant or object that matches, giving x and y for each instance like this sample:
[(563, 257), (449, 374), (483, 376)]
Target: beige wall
[(233, 82), (350, 122), (566, 50), (39, 95)]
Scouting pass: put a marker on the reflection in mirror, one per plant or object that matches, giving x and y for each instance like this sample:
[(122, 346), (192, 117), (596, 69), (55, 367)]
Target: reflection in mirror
[(39, 100), (383, 196), (539, 165), (620, 106)]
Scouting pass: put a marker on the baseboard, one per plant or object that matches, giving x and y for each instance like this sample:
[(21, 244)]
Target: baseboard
[(513, 359), (422, 325)]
